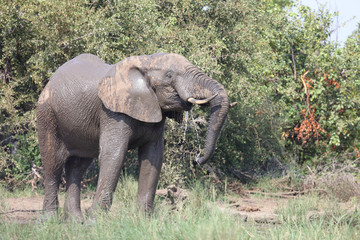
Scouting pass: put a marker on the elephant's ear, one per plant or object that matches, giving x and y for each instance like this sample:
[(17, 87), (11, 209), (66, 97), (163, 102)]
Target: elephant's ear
[(124, 89)]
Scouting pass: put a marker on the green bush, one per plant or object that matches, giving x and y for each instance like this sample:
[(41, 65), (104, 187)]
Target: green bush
[(259, 50)]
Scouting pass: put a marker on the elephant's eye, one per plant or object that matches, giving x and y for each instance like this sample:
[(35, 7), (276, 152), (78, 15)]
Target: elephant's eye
[(169, 75)]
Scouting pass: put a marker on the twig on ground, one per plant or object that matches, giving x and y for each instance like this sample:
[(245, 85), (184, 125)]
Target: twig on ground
[(291, 194), (21, 210), (280, 195)]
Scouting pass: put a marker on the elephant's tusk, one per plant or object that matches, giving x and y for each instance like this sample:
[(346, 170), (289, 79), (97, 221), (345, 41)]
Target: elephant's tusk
[(202, 101)]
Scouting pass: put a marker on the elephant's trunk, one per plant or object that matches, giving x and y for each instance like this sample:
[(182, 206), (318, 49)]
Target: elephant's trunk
[(203, 87), (219, 108)]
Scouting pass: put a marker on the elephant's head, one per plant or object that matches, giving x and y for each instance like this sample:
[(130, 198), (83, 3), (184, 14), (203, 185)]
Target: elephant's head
[(149, 87)]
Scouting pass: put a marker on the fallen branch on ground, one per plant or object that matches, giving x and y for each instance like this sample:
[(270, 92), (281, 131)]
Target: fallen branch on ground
[(20, 210), (292, 194), (280, 195)]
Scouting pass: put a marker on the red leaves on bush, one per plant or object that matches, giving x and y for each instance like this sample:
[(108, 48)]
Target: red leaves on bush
[(309, 127), (331, 81)]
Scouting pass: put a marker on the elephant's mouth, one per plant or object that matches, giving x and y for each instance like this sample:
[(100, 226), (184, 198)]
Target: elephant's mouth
[(186, 105)]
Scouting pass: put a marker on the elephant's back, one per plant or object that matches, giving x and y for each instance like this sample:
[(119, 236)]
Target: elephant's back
[(71, 94), (74, 85), (84, 70), (76, 79)]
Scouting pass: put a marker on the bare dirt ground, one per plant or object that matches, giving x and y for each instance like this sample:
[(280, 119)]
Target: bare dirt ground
[(250, 208), (246, 207), (27, 209)]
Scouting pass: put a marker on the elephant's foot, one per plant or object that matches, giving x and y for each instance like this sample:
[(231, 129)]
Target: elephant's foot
[(74, 216), (92, 214), (90, 220), (72, 212), (146, 209)]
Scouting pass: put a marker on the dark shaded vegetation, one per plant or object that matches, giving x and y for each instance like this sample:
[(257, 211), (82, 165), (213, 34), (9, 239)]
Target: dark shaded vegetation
[(298, 92)]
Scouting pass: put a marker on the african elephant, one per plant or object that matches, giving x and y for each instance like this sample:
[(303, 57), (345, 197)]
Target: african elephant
[(91, 109)]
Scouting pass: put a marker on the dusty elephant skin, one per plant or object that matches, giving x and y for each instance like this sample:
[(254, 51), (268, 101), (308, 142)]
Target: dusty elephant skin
[(91, 109)]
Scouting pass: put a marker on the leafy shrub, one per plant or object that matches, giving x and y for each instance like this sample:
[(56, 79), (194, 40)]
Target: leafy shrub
[(21, 158), (259, 50)]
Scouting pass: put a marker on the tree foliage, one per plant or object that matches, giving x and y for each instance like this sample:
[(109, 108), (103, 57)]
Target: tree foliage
[(298, 92)]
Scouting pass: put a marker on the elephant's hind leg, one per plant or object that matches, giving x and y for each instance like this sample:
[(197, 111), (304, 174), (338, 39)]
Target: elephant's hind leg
[(53, 155), (74, 171)]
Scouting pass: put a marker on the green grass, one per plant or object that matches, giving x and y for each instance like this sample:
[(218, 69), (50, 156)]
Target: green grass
[(197, 218), (25, 191), (311, 217)]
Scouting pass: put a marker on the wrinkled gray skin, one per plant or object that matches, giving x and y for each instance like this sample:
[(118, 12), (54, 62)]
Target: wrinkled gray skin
[(91, 109)]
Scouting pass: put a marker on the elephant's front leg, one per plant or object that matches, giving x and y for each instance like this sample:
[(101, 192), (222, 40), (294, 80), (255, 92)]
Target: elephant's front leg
[(150, 157), (112, 156)]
